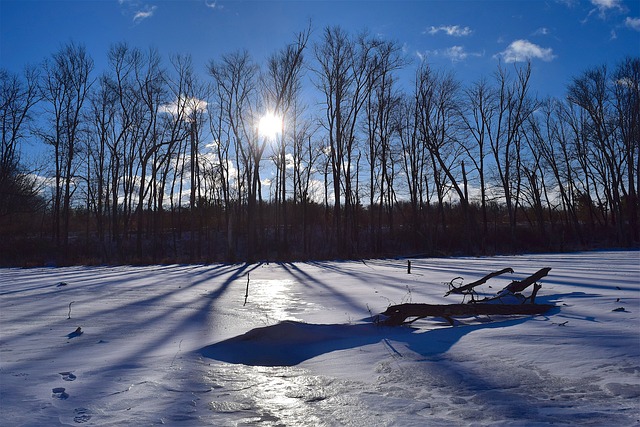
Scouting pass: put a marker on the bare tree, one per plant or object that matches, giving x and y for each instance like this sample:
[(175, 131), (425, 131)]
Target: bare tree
[(626, 91), (151, 91), (224, 164), (438, 119), (513, 106), (306, 156), (602, 147), (347, 69), (65, 86), (121, 71), (179, 141), (335, 56), (477, 115), (100, 118), (18, 95), (282, 84), (550, 135), (534, 183), (414, 164), (382, 100), (235, 82)]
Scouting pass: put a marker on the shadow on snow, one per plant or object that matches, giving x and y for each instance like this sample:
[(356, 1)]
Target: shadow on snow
[(289, 343)]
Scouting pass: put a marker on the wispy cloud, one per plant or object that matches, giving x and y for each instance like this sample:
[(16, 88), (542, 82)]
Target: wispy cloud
[(453, 53), (458, 53), (604, 6), (633, 23), (542, 31), (450, 30), (143, 14), (607, 4), (524, 50), (213, 4), (568, 3)]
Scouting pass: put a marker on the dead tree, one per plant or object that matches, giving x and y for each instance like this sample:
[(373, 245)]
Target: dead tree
[(398, 314)]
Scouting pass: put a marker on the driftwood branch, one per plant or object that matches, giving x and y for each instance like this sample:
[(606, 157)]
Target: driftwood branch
[(469, 287), (519, 286), (398, 314)]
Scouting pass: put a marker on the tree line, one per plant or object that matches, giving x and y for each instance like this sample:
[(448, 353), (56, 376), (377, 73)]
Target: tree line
[(154, 161)]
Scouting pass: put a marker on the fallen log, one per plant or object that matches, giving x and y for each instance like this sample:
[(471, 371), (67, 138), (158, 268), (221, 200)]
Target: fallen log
[(398, 314), (467, 289)]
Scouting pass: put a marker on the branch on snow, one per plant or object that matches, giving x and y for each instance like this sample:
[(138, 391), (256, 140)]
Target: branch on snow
[(398, 314)]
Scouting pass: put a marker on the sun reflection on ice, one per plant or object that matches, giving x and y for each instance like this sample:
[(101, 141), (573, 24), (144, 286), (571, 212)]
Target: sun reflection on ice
[(275, 396), (276, 299)]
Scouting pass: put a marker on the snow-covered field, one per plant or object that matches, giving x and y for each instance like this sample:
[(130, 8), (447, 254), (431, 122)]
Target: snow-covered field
[(176, 345)]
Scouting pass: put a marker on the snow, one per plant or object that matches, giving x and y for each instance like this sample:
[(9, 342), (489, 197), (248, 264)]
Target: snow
[(177, 345)]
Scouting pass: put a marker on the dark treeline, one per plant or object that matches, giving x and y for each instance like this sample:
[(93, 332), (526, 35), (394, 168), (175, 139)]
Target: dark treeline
[(153, 161)]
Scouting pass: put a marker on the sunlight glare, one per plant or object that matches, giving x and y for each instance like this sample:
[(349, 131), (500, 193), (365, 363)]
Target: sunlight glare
[(270, 126)]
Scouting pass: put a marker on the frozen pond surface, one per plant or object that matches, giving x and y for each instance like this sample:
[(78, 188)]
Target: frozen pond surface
[(177, 345)]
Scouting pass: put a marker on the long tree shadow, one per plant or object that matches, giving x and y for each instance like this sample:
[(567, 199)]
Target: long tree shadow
[(289, 343)]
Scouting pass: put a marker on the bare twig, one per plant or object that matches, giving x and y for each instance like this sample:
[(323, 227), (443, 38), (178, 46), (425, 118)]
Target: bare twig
[(246, 295)]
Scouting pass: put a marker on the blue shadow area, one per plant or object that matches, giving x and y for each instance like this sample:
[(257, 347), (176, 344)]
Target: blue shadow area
[(289, 343)]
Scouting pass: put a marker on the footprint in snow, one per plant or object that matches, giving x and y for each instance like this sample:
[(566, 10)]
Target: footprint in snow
[(68, 376), (59, 393), (82, 415)]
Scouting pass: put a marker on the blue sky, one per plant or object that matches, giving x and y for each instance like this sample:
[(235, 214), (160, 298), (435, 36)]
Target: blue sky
[(562, 38)]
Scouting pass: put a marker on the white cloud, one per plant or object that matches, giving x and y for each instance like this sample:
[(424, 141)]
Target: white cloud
[(633, 23), (186, 104), (289, 160), (145, 13), (316, 192), (456, 53), (604, 6), (450, 30), (524, 50)]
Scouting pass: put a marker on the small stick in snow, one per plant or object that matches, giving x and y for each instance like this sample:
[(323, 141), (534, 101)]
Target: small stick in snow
[(246, 295), (69, 316)]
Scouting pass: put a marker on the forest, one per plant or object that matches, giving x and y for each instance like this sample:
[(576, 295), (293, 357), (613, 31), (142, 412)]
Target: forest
[(321, 152)]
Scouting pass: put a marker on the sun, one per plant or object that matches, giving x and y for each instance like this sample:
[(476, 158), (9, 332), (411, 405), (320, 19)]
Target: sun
[(270, 126)]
